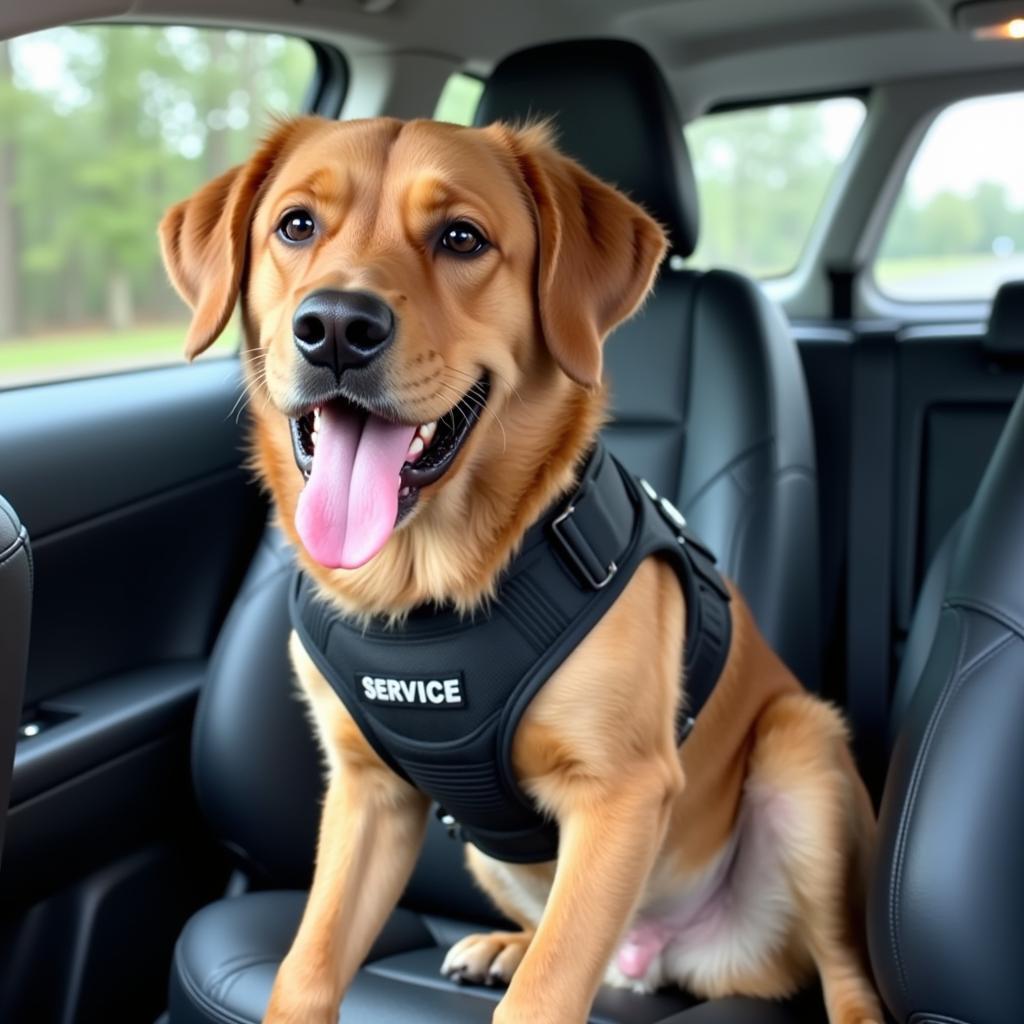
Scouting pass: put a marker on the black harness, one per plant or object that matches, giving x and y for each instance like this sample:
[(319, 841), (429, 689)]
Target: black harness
[(440, 696)]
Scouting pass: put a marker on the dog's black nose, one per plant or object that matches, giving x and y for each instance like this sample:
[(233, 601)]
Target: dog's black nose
[(340, 330)]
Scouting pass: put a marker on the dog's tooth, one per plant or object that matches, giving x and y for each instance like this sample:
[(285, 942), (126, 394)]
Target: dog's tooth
[(427, 430), (403, 492), (416, 448)]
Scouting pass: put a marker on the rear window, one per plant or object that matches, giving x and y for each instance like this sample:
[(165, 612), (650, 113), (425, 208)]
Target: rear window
[(762, 176), (957, 229), (101, 129)]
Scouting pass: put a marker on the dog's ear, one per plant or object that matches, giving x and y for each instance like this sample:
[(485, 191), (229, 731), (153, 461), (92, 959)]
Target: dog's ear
[(204, 239), (598, 252)]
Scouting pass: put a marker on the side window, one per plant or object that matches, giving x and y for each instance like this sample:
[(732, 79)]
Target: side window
[(957, 229), (102, 128), (762, 176), (459, 99)]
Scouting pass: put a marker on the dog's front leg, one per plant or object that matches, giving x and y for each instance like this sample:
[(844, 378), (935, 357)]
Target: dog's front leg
[(610, 835), (371, 831)]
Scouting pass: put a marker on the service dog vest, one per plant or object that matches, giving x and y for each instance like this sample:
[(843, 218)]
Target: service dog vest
[(439, 697)]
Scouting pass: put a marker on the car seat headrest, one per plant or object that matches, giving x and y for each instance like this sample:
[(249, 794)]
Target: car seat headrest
[(1005, 335), (613, 112)]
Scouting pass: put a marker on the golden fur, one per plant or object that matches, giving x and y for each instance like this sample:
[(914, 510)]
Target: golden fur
[(642, 823)]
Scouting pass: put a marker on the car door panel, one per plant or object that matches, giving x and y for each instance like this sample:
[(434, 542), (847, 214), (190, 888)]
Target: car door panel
[(143, 520)]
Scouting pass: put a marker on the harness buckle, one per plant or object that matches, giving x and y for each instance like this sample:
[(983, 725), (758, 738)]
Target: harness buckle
[(558, 528)]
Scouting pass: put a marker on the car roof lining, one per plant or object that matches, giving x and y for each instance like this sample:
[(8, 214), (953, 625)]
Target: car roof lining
[(712, 51)]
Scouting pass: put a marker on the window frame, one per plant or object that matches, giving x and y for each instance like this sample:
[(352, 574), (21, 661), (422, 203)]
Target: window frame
[(780, 287)]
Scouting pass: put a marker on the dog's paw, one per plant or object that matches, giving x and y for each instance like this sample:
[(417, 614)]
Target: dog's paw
[(486, 959)]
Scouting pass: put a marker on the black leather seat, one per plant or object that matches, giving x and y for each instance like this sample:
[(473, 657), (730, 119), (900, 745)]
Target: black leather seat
[(15, 619), (710, 405), (947, 906), (708, 390)]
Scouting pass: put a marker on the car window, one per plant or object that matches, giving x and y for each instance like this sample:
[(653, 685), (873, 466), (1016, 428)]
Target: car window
[(762, 176), (101, 129), (957, 229), (459, 99)]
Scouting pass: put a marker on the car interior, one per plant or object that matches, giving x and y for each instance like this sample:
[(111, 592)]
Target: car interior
[(827, 382)]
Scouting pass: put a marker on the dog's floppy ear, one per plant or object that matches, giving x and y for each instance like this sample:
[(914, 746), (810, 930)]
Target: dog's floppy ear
[(204, 238), (598, 252)]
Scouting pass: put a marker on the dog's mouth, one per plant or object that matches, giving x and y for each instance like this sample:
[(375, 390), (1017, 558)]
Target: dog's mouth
[(364, 472)]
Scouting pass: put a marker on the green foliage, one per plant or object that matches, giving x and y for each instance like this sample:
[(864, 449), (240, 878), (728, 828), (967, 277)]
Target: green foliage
[(110, 125), (762, 175), (953, 224)]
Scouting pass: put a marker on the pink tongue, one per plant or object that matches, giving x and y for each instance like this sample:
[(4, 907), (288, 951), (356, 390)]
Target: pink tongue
[(348, 508)]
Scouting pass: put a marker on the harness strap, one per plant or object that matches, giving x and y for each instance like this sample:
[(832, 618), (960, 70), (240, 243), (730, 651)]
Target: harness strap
[(440, 698), (596, 527)]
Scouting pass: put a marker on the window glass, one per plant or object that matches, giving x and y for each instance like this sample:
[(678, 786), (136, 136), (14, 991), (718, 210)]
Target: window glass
[(957, 229), (101, 129), (762, 176), (459, 99)]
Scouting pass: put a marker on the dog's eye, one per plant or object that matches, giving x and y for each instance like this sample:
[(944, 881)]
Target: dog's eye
[(463, 238), (296, 226)]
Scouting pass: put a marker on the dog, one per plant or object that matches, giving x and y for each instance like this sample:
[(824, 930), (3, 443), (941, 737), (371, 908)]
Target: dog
[(480, 271)]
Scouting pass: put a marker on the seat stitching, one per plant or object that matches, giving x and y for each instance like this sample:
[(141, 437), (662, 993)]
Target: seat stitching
[(699, 284), (727, 469), (228, 982), (896, 882), (205, 1003), (747, 515), (951, 691), (19, 544), (219, 982), (985, 608)]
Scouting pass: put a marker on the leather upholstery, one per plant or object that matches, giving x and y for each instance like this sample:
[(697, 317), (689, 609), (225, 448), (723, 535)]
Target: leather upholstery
[(945, 913), (227, 955), (709, 398), (254, 757), (710, 405), (1005, 335), (613, 113), (15, 618)]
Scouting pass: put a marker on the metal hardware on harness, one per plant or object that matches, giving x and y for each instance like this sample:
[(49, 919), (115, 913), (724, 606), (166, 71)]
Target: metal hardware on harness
[(668, 511), (672, 514), (578, 563), (451, 825)]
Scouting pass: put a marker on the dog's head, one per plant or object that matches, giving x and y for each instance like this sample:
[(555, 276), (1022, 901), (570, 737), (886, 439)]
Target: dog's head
[(422, 303)]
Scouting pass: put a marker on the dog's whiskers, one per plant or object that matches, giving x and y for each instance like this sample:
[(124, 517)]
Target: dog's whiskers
[(474, 397), (476, 382)]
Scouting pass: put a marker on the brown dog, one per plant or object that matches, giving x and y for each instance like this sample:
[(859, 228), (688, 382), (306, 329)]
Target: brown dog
[(495, 267)]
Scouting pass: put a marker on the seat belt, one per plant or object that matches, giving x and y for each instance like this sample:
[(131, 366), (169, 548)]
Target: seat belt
[(869, 562)]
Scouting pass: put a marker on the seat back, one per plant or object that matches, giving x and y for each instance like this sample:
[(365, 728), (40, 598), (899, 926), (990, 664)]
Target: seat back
[(945, 916), (709, 404), (708, 392), (16, 617)]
